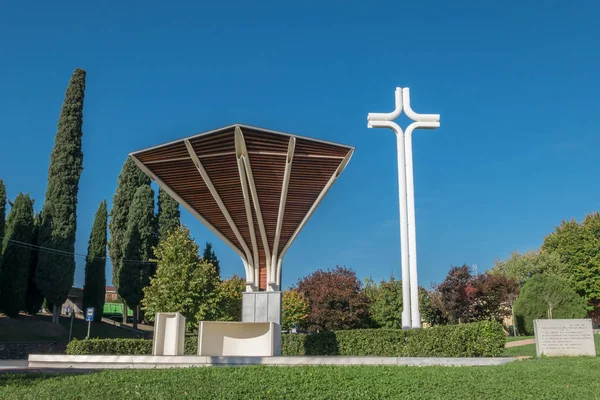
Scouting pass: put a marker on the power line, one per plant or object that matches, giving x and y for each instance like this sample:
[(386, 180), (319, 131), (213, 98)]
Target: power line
[(68, 253)]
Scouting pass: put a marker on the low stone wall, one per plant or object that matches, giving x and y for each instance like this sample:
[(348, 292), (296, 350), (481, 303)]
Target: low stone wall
[(20, 351)]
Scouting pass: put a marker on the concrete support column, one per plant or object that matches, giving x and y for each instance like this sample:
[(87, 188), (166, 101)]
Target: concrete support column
[(261, 307)]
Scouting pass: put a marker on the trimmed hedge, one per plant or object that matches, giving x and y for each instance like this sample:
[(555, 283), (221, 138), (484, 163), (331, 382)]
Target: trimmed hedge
[(110, 346), (122, 346), (478, 339)]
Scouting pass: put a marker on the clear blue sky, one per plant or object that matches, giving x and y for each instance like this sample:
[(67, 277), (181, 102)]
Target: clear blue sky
[(517, 88)]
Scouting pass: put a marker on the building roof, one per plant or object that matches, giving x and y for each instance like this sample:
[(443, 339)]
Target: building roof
[(255, 188)]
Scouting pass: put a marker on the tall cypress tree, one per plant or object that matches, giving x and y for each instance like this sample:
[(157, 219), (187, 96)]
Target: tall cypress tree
[(2, 210), (95, 266), (35, 297), (54, 274), (16, 256), (168, 216), (140, 237), (130, 179), (209, 256)]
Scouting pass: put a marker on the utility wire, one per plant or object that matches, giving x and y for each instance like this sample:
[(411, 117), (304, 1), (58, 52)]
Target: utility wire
[(68, 253)]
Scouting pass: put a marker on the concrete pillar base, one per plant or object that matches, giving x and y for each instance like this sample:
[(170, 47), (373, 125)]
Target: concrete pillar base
[(261, 307)]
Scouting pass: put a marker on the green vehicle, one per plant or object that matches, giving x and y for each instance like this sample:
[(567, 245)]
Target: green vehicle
[(116, 309)]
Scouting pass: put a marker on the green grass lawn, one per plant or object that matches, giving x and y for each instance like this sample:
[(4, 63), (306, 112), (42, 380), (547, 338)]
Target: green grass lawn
[(529, 350), (40, 328), (515, 338), (546, 378)]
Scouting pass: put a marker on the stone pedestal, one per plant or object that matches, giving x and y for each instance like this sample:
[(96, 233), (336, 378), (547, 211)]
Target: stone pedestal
[(261, 307), (169, 334)]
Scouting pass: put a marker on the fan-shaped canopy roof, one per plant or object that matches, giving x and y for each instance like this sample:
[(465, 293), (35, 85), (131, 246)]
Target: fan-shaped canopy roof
[(255, 188)]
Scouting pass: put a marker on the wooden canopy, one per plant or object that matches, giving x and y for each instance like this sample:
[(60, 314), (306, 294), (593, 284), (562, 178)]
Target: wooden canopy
[(254, 188)]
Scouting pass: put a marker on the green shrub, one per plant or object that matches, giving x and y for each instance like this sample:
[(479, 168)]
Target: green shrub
[(545, 294), (110, 346), (479, 339)]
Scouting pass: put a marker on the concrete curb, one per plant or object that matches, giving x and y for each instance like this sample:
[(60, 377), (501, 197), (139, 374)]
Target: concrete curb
[(142, 362)]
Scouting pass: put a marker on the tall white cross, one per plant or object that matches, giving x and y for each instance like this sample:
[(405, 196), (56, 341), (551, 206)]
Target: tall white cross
[(411, 317)]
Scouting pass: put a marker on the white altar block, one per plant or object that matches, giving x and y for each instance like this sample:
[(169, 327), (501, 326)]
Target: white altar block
[(169, 334), (564, 337), (248, 339)]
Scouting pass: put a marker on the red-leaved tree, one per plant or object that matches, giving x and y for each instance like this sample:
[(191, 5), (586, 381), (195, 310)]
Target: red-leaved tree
[(336, 300), (491, 296)]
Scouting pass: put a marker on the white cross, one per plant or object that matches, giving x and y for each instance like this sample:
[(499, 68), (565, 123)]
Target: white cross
[(411, 317)]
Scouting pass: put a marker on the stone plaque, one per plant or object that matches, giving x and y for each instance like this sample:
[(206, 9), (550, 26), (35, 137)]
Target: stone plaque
[(564, 337)]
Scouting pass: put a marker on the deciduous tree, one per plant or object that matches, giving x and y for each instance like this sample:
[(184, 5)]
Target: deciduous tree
[(336, 300), (546, 296), (578, 246), (183, 282), (522, 266), (385, 309), (453, 294), (491, 297), (230, 298), (294, 309)]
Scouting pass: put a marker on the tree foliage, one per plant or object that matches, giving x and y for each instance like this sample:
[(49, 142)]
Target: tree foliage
[(579, 248), (491, 297), (521, 267), (385, 309), (55, 270), (16, 256), (130, 179), (209, 256), (230, 298), (95, 266), (35, 297), (136, 269), (336, 300), (546, 296), (2, 211), (453, 294), (183, 282), (168, 215), (431, 307), (294, 309)]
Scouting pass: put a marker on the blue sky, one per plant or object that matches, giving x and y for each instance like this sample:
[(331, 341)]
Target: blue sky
[(516, 86)]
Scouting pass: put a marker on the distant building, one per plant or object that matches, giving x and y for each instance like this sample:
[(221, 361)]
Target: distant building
[(74, 301), (110, 295)]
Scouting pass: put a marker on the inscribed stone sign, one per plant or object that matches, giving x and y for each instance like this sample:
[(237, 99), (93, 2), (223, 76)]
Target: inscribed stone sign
[(564, 337)]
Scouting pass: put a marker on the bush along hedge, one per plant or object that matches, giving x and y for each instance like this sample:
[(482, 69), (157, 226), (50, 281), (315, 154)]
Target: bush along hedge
[(478, 339)]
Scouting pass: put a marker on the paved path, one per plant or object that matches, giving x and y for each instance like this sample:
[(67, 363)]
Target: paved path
[(519, 343)]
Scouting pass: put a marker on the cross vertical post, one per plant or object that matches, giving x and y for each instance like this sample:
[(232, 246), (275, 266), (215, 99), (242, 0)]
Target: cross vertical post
[(411, 317)]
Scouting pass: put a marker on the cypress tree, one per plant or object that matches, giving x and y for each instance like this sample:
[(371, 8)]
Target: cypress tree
[(168, 215), (140, 237), (35, 297), (55, 270), (2, 210), (95, 266), (130, 179), (209, 256), (16, 256)]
